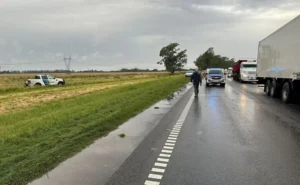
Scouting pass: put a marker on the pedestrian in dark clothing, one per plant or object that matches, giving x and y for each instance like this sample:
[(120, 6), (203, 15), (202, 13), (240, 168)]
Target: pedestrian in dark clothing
[(196, 78)]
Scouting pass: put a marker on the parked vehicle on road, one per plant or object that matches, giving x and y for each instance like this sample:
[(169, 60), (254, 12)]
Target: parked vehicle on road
[(248, 72), (44, 80), (215, 76), (225, 71), (229, 72), (189, 73), (278, 64), (244, 71)]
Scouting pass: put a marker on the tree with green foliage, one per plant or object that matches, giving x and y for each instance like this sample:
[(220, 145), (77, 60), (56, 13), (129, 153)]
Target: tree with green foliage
[(209, 60), (173, 58)]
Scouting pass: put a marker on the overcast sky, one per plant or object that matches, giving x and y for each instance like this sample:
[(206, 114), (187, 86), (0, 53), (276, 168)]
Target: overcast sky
[(112, 34)]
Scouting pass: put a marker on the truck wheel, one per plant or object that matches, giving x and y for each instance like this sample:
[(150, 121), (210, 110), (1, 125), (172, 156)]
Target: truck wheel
[(60, 84), (207, 84), (260, 81), (273, 89), (286, 92), (222, 85), (268, 90)]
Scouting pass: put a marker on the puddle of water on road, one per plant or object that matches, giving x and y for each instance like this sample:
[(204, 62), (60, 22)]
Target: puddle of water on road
[(97, 163)]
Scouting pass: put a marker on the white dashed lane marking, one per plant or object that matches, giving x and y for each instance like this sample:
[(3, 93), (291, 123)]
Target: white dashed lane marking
[(171, 141), (164, 155), (151, 183), (154, 176), (160, 164), (168, 147), (162, 161), (170, 144), (158, 170), (166, 151)]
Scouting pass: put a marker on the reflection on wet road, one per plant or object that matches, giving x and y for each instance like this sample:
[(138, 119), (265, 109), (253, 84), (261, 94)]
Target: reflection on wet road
[(234, 135), (246, 138)]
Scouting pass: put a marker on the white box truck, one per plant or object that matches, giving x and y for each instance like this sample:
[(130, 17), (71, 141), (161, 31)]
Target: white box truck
[(278, 62)]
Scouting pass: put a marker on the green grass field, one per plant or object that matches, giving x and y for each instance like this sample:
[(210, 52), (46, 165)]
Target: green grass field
[(15, 82), (33, 140)]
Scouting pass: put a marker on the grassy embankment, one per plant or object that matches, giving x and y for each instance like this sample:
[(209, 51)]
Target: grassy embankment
[(15, 82), (35, 140), (15, 100)]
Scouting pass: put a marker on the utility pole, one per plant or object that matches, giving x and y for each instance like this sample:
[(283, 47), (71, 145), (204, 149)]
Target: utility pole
[(68, 63)]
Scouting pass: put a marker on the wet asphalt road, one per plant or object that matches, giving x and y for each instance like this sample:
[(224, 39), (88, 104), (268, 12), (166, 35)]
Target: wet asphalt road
[(234, 136)]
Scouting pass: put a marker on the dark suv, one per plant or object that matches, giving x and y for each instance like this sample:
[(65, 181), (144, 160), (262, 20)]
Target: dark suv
[(215, 76)]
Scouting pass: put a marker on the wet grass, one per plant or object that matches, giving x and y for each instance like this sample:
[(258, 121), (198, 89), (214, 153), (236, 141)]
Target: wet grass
[(18, 101), (10, 83), (34, 141)]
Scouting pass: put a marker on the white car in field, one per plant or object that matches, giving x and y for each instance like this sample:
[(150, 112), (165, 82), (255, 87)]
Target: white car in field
[(189, 73), (44, 80)]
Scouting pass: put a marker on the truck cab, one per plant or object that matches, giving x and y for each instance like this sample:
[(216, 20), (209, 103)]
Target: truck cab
[(244, 71), (248, 72)]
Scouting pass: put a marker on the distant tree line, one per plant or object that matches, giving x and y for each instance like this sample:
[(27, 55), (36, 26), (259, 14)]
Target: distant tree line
[(209, 60), (137, 70), (174, 59)]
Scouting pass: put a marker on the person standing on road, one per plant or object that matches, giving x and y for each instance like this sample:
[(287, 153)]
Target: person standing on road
[(196, 79)]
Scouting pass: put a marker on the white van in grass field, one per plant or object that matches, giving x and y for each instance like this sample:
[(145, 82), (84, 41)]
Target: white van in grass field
[(44, 80)]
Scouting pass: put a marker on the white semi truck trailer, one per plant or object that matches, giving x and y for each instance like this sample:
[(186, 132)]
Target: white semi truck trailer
[(278, 62)]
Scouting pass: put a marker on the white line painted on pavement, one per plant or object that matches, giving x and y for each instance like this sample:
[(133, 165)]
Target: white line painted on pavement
[(158, 170), (167, 151), (171, 141), (160, 164), (164, 155), (168, 148), (151, 183), (170, 144), (172, 138), (154, 176), (162, 160)]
